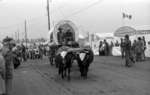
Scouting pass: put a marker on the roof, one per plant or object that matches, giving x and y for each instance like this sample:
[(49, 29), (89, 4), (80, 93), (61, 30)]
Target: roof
[(140, 32)]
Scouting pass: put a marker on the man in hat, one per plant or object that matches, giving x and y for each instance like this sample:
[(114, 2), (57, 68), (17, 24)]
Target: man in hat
[(60, 35), (8, 44), (127, 48)]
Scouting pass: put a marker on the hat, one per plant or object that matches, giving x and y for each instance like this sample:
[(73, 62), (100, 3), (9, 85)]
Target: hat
[(127, 36), (7, 39)]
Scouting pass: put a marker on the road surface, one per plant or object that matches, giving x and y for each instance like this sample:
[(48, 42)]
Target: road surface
[(107, 76)]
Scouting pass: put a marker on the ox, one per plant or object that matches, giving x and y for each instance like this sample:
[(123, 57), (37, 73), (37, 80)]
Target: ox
[(64, 61), (84, 59)]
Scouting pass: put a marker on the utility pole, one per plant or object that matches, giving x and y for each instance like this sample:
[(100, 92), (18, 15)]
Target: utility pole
[(16, 36), (48, 15), (26, 32)]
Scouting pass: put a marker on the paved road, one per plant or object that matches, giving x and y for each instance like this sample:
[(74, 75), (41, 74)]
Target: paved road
[(107, 76)]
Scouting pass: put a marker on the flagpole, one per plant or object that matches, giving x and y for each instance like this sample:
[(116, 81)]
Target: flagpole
[(123, 17), (123, 14), (123, 24)]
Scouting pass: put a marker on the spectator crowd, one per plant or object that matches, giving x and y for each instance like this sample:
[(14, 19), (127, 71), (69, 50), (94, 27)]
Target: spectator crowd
[(135, 50)]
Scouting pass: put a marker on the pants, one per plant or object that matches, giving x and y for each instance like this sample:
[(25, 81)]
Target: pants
[(8, 86), (24, 56), (106, 52), (127, 58), (122, 52), (134, 55), (143, 54), (110, 52), (139, 56)]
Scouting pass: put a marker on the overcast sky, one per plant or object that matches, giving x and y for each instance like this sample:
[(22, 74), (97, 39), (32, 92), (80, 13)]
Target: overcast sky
[(88, 15)]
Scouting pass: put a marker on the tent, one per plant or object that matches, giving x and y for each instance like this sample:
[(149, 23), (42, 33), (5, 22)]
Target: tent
[(122, 31)]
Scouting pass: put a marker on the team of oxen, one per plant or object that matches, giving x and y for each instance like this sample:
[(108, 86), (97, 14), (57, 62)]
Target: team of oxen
[(64, 57), (61, 56)]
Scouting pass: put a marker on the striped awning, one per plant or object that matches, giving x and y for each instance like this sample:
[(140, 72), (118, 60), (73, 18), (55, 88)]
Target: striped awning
[(125, 30)]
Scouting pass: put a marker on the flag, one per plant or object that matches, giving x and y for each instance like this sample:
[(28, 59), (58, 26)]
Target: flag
[(124, 15), (130, 16)]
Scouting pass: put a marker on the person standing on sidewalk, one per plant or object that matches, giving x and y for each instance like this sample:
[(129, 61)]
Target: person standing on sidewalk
[(8, 44)]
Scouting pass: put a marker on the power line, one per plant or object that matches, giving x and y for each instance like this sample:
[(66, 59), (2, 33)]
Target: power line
[(78, 11), (75, 13), (84, 9), (35, 19), (62, 7), (39, 25), (59, 9), (14, 25)]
